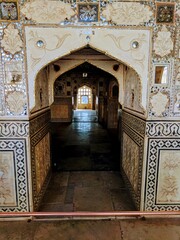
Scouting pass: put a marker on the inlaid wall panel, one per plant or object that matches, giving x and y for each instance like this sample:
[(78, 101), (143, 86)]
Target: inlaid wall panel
[(40, 155), (162, 189), (132, 154), (14, 180)]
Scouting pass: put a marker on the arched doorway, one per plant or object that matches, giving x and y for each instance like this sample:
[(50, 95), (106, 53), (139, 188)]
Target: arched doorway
[(126, 77)]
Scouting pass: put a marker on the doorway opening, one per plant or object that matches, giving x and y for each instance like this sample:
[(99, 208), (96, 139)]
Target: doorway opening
[(86, 144), (84, 98)]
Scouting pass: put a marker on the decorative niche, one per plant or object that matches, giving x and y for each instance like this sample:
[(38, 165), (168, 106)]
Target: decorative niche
[(9, 10), (161, 73)]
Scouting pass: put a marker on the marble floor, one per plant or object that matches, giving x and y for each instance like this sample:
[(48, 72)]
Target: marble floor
[(86, 160)]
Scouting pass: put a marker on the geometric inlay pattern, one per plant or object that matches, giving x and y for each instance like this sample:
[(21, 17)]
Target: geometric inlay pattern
[(18, 147), (136, 123), (14, 129), (155, 146), (163, 129)]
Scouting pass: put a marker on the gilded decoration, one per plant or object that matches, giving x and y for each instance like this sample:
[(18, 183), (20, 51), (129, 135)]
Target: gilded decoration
[(7, 179), (165, 12), (127, 13), (163, 44), (9, 10), (16, 102), (46, 11), (11, 41), (88, 12), (159, 102), (168, 190)]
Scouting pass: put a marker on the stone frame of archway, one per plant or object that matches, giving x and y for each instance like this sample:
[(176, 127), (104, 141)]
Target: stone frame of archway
[(47, 44)]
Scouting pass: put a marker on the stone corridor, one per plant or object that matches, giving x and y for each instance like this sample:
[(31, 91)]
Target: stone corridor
[(86, 173)]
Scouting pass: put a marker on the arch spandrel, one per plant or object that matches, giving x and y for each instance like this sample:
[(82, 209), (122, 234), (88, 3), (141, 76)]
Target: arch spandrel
[(46, 44)]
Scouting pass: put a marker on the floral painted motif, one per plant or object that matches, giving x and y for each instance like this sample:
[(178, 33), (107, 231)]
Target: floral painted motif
[(45, 11), (11, 41), (168, 186), (42, 45), (126, 42), (127, 13), (163, 43)]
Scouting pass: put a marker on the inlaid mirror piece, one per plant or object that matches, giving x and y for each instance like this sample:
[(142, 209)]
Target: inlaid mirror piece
[(8, 11), (165, 13), (88, 12), (161, 74)]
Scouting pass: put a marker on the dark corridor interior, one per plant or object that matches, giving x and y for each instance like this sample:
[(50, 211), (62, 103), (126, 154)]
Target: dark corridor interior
[(84, 145), (86, 168)]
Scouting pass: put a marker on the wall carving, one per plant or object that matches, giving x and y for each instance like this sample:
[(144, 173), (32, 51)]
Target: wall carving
[(39, 122), (11, 41), (130, 161), (42, 158), (16, 102), (41, 90), (13, 167), (138, 142), (138, 125), (157, 190), (127, 13), (132, 91), (40, 155), (159, 103), (127, 43), (45, 11), (163, 44), (43, 46)]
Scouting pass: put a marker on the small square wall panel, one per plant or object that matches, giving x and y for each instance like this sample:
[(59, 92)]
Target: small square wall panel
[(165, 13), (88, 12)]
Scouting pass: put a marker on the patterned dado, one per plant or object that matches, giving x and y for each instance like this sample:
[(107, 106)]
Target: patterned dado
[(133, 129), (162, 187), (14, 180), (14, 194), (40, 155), (162, 190)]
